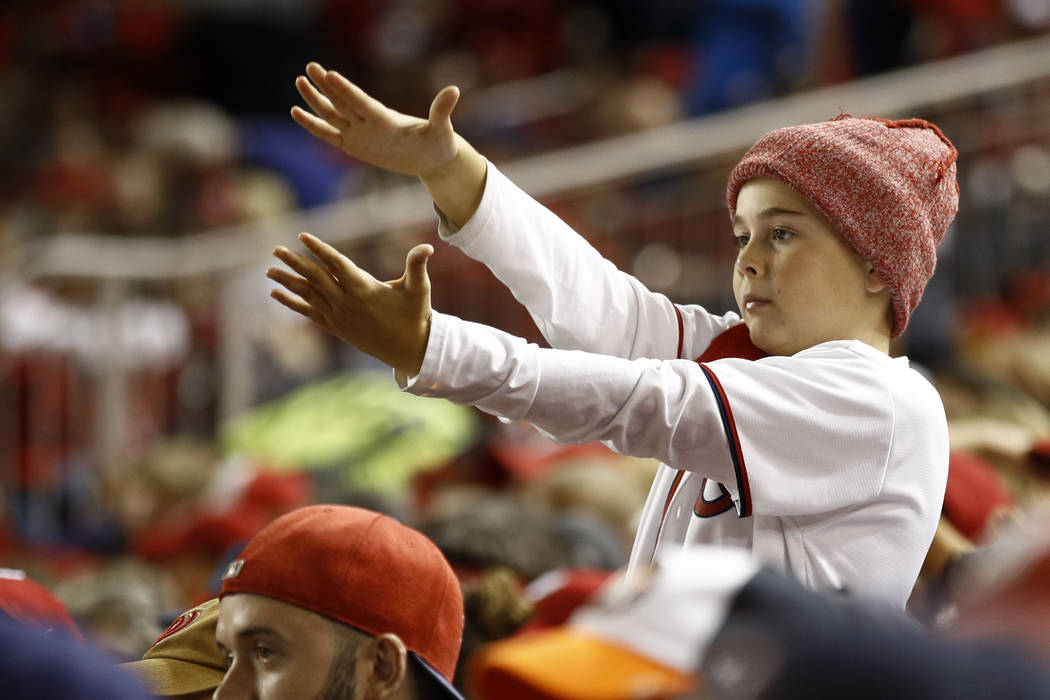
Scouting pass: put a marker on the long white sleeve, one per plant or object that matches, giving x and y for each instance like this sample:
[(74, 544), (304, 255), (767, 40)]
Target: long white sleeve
[(578, 299), (725, 420), (646, 408)]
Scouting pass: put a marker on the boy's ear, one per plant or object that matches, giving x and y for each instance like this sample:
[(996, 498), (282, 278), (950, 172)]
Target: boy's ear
[(873, 281)]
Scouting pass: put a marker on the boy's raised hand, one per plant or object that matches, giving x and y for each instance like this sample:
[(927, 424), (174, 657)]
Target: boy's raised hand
[(348, 118), (388, 320)]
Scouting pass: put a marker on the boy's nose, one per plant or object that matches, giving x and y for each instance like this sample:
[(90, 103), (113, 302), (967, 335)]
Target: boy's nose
[(749, 260)]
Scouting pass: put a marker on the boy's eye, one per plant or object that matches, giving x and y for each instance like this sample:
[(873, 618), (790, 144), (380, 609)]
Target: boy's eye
[(780, 234), (741, 239), (263, 653)]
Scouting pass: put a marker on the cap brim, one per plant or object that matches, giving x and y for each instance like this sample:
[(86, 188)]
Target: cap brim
[(174, 677), (565, 664), (431, 685)]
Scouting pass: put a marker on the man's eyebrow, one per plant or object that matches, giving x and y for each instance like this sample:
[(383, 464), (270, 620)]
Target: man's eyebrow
[(257, 632), (770, 212)]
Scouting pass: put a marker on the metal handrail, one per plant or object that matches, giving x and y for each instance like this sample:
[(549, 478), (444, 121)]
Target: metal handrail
[(900, 93)]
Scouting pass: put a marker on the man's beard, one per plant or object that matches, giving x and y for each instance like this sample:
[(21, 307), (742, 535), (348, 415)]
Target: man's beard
[(339, 686), (341, 683)]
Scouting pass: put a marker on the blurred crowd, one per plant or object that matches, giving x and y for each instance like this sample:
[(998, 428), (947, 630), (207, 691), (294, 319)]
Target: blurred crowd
[(169, 117), (164, 118)]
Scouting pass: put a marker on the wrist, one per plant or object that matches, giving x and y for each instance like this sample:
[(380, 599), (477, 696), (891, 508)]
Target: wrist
[(414, 362), (461, 151), (457, 186)]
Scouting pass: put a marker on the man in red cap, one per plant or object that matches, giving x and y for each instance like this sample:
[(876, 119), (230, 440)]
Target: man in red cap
[(334, 602)]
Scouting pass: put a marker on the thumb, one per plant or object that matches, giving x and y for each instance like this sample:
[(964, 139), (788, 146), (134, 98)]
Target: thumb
[(443, 104), (416, 278)]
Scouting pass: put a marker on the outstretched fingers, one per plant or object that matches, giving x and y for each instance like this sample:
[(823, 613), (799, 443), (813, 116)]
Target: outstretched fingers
[(320, 279), (342, 268), (346, 96), (317, 126), (298, 286), (320, 104), (297, 305)]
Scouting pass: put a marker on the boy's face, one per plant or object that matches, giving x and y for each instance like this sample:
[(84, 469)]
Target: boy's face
[(797, 282)]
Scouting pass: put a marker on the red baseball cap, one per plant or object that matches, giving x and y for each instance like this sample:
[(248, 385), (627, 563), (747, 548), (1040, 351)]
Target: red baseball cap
[(28, 602), (363, 569)]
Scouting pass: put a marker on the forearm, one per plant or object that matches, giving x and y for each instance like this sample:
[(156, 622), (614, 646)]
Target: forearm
[(456, 187), (578, 299), (646, 408)]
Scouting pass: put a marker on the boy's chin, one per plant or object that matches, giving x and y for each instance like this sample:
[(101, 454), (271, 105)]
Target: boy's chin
[(773, 341)]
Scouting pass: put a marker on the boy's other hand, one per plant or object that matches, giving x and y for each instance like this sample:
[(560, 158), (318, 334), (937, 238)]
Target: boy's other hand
[(348, 118), (388, 320)]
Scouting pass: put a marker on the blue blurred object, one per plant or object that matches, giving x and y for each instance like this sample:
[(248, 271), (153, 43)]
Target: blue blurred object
[(314, 169), (742, 50), (35, 665)]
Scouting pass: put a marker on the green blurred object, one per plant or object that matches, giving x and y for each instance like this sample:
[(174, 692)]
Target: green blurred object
[(359, 424)]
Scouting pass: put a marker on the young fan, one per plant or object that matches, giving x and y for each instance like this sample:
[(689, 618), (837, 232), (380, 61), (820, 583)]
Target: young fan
[(786, 429)]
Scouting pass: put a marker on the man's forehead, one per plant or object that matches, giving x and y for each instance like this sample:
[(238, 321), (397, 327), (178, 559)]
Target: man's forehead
[(250, 613)]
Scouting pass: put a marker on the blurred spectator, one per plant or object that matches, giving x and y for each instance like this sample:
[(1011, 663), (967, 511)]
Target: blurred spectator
[(975, 494), (476, 529), (1002, 590), (494, 607), (117, 605)]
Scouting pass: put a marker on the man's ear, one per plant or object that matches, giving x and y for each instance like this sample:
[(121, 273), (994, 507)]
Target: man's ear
[(873, 281), (389, 666)]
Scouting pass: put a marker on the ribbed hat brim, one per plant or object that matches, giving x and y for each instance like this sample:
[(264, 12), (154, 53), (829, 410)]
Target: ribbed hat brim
[(174, 677)]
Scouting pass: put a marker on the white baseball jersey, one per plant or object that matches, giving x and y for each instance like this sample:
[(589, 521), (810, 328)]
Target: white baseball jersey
[(830, 463)]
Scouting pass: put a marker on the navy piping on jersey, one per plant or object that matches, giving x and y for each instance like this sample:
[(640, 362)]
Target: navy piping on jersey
[(704, 508), (733, 441), (670, 493), (681, 330)]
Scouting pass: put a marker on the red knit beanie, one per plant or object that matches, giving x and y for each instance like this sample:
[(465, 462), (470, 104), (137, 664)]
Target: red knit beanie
[(888, 188)]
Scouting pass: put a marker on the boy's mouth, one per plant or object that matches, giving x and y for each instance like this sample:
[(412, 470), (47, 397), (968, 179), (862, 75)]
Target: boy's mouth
[(753, 302)]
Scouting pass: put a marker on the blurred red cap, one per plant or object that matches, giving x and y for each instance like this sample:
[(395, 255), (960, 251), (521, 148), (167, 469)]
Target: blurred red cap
[(973, 493), (28, 602)]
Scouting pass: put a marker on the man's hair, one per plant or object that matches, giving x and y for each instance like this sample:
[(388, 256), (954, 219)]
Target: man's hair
[(341, 683)]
